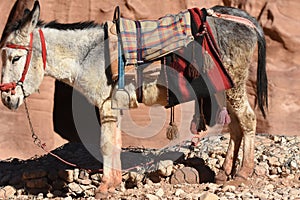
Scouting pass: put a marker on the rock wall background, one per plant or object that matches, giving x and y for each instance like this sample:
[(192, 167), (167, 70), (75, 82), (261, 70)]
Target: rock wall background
[(282, 29)]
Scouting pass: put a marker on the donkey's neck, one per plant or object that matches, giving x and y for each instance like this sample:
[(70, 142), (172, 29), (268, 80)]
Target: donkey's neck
[(71, 51), (76, 57)]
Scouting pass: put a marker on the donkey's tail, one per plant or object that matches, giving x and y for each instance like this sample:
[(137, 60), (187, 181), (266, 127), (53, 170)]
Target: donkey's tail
[(262, 79)]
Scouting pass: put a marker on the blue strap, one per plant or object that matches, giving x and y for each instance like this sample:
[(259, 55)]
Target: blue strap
[(120, 65)]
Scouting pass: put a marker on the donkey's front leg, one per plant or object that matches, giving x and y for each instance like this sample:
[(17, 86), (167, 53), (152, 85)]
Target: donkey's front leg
[(111, 149)]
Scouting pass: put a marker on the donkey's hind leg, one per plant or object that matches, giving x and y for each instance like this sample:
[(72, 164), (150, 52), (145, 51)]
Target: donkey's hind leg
[(247, 120), (243, 125), (236, 135), (111, 150)]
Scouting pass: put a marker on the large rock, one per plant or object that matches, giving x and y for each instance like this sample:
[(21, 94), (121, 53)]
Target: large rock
[(281, 25), (185, 175), (7, 192)]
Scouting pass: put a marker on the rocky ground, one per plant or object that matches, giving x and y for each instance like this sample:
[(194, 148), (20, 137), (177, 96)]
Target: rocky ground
[(171, 173)]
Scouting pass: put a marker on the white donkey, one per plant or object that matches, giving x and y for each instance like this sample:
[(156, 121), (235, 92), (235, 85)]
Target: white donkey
[(75, 54)]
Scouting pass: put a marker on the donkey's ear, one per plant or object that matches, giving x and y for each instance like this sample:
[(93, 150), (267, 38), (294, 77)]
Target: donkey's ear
[(31, 19), (26, 13)]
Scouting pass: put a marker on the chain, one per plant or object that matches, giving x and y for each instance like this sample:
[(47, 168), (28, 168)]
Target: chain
[(37, 141), (34, 136)]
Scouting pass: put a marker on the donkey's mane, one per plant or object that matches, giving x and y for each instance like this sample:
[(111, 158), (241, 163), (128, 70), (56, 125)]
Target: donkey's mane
[(53, 24), (70, 26)]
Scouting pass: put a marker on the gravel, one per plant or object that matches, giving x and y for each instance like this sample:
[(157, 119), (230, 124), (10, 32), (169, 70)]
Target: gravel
[(276, 174)]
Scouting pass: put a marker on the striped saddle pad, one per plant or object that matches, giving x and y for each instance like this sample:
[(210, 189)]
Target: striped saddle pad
[(146, 40)]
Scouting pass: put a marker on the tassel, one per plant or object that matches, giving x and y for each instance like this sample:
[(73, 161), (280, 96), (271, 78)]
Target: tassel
[(198, 123), (224, 117), (193, 126), (172, 130)]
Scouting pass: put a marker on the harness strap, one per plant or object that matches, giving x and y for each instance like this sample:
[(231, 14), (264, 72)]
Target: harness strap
[(139, 91), (139, 61), (139, 43), (44, 51), (15, 46), (28, 59), (9, 86)]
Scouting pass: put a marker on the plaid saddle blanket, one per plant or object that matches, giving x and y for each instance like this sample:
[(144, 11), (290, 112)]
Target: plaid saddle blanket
[(146, 40)]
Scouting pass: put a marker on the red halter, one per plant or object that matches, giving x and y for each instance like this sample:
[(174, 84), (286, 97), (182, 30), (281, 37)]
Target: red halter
[(12, 85)]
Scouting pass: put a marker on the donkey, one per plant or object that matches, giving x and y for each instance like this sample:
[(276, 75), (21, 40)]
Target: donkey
[(75, 54)]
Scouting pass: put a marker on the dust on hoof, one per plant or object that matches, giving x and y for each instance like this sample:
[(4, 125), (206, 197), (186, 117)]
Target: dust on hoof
[(221, 178)]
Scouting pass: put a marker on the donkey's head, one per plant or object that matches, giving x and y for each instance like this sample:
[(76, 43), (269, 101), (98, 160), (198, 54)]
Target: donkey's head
[(22, 63)]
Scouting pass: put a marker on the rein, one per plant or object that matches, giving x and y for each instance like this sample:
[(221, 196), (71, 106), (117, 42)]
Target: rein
[(12, 85)]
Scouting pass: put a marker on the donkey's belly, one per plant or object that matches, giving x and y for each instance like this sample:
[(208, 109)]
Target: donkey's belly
[(154, 94)]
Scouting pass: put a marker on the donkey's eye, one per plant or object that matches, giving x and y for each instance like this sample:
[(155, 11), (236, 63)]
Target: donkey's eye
[(15, 59)]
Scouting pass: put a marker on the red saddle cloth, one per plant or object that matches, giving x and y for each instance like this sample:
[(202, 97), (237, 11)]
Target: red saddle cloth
[(197, 70)]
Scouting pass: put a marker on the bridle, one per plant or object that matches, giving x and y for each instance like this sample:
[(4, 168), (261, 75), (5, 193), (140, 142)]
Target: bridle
[(6, 87)]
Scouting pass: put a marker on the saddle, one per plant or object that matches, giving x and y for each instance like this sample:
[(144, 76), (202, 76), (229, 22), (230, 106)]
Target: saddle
[(146, 40), (184, 43)]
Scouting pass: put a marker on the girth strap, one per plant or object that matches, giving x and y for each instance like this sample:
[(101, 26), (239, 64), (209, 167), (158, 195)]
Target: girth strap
[(139, 61)]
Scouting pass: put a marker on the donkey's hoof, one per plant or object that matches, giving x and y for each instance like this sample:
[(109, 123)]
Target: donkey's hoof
[(101, 195), (112, 190), (238, 181), (221, 178), (101, 192)]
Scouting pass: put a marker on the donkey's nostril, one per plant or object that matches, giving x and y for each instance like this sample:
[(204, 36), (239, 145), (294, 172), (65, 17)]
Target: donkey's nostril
[(8, 99)]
